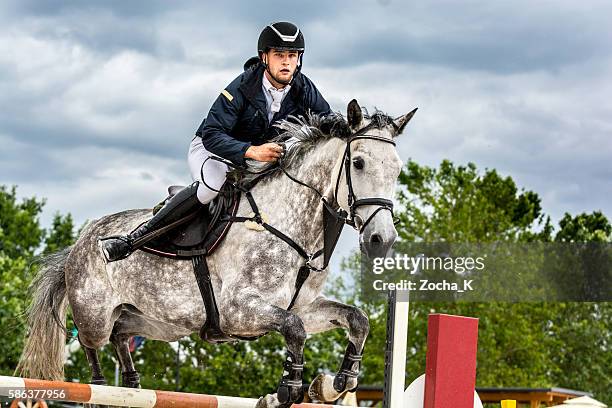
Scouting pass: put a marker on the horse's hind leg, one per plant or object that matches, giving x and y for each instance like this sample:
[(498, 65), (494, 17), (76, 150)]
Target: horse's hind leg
[(96, 370), (250, 315), (94, 323), (129, 375), (322, 315)]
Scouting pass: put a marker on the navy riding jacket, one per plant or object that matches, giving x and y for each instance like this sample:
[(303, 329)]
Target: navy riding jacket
[(239, 118)]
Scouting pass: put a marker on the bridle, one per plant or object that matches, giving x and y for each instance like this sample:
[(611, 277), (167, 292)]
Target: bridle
[(332, 210), (354, 203), (334, 217)]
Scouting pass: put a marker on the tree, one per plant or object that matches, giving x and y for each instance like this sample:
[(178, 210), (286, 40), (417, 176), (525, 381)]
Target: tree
[(458, 204), (520, 344), (13, 292), (20, 231), (61, 235), (21, 236), (593, 227), (580, 331)]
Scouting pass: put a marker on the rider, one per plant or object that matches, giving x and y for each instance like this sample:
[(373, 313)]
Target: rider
[(239, 126)]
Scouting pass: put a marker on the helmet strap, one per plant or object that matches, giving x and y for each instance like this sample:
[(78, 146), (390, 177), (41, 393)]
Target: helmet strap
[(298, 68)]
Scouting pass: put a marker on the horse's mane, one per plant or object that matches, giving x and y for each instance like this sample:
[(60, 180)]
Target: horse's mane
[(308, 130), (378, 119)]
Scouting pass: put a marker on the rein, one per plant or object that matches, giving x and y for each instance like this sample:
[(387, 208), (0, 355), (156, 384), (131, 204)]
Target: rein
[(339, 215)]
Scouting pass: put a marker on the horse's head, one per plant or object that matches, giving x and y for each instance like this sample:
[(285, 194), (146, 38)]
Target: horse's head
[(370, 168)]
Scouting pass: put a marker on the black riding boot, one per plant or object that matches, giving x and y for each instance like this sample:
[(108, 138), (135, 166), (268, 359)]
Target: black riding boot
[(178, 206)]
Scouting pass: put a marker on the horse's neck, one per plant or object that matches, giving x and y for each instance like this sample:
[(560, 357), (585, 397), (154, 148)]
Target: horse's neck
[(297, 210)]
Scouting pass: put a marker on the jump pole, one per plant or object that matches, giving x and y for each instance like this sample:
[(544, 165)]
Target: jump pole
[(449, 379), (450, 367), (395, 350), (128, 397), (450, 372)]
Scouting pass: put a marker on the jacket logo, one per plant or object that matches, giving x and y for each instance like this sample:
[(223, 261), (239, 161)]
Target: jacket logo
[(227, 95)]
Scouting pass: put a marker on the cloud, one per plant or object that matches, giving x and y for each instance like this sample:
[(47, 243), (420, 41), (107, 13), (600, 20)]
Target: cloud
[(467, 35), (59, 8), (100, 99)]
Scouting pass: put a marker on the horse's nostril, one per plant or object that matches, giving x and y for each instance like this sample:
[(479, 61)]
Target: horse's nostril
[(376, 239)]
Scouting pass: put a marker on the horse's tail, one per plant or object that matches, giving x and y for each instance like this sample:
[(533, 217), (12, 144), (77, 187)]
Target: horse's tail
[(43, 353)]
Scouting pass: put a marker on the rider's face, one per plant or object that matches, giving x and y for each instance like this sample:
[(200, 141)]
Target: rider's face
[(281, 64)]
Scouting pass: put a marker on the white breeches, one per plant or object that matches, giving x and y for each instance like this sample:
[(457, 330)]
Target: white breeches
[(214, 172)]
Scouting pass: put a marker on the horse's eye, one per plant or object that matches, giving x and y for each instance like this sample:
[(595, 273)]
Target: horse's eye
[(358, 163)]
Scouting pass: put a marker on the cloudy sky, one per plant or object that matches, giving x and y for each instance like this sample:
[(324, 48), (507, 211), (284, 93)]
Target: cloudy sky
[(100, 99)]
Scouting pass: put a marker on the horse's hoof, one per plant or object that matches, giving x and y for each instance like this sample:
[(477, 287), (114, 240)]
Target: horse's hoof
[(261, 403), (130, 379), (98, 381), (322, 389), (271, 401)]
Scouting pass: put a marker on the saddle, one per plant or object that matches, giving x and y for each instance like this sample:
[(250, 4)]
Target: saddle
[(199, 233)]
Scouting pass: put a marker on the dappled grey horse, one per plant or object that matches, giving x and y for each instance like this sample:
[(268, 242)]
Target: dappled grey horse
[(253, 272)]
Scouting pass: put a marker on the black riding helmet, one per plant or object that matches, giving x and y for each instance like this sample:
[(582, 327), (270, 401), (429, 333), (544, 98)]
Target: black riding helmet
[(282, 36)]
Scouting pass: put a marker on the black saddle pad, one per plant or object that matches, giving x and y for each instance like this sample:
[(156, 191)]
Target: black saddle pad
[(201, 233)]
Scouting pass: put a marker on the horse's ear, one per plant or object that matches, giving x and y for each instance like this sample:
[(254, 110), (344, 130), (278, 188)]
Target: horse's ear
[(402, 121), (354, 114)]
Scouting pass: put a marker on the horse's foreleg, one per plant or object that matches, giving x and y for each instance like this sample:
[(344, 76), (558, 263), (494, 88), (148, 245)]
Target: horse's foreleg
[(249, 315), (322, 315), (129, 375)]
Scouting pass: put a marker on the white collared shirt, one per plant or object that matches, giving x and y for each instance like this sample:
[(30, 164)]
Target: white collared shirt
[(274, 97)]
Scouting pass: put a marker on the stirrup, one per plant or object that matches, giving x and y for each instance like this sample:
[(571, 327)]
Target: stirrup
[(111, 251)]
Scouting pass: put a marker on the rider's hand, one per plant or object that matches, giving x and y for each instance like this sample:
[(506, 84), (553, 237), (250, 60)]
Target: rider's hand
[(267, 152)]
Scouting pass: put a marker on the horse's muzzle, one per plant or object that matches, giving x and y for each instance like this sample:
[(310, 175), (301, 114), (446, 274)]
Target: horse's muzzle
[(376, 244)]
